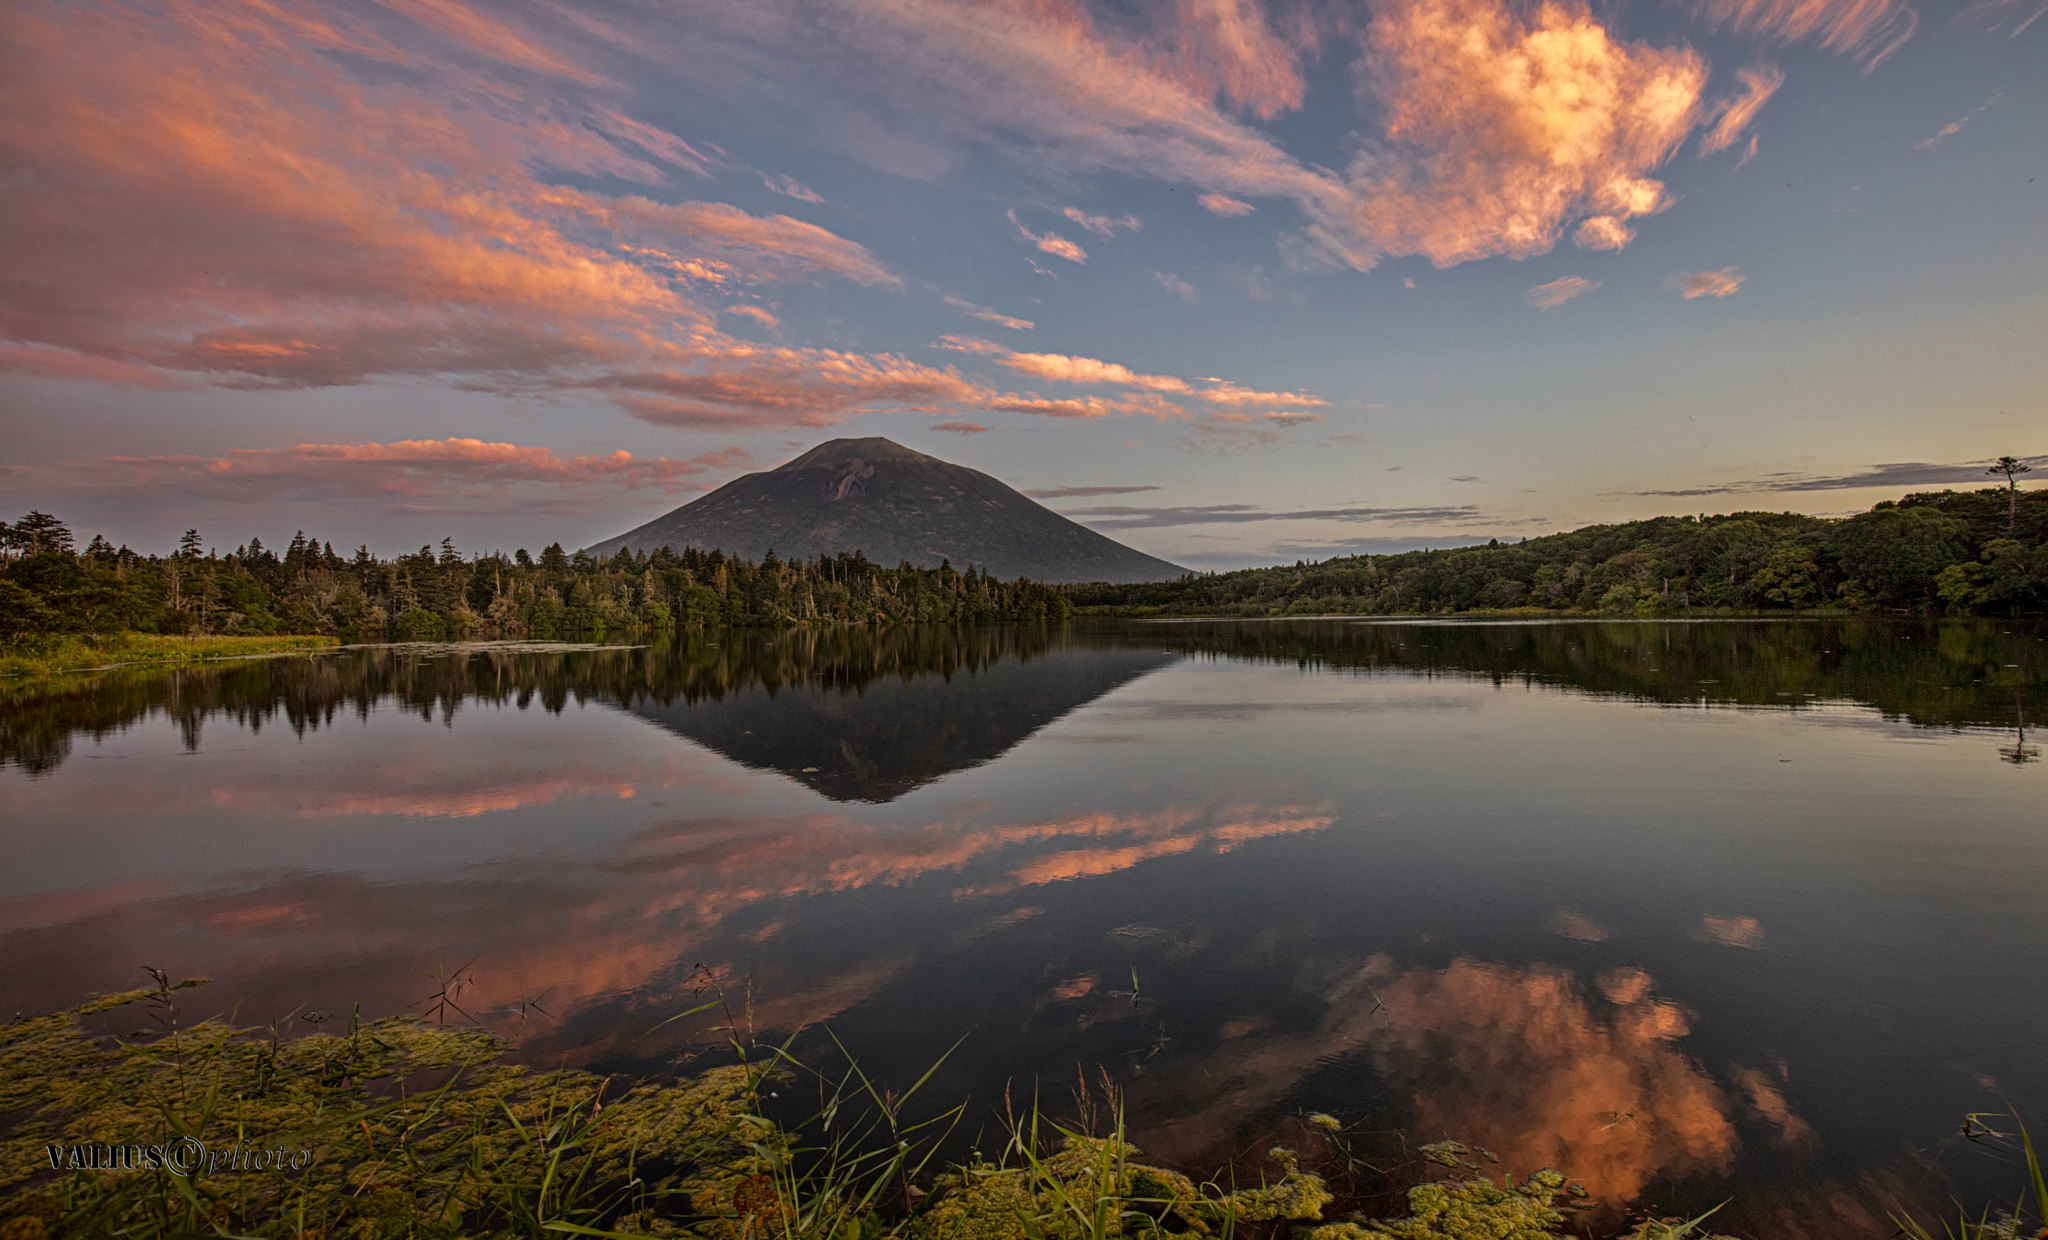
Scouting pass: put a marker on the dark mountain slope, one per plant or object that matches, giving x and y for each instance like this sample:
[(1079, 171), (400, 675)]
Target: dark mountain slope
[(892, 504)]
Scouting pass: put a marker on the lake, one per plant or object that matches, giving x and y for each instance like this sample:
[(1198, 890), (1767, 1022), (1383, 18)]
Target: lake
[(1690, 910)]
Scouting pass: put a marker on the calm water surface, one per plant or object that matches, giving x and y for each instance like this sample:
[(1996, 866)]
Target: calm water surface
[(1688, 910)]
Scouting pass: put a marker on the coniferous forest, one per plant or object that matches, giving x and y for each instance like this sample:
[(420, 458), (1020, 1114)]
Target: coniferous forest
[(1981, 552)]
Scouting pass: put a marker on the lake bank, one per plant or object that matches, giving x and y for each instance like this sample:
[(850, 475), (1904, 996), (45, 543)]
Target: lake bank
[(59, 654)]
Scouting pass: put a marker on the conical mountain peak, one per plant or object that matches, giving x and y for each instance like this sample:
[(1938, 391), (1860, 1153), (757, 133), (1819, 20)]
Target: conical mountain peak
[(893, 504), (867, 448)]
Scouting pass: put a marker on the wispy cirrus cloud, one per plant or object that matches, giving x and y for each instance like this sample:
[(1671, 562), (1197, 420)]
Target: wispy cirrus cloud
[(1126, 517), (987, 315), (1103, 226), (960, 428), (790, 187), (1891, 477), (1868, 30), (1957, 125), (1088, 407), (1050, 242), (412, 470), (270, 197), (1737, 111), (1066, 368), (1178, 287), (1224, 205), (1695, 284), (1557, 292), (1084, 492)]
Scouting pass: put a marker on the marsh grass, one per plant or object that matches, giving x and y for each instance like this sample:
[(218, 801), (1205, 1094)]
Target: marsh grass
[(55, 654), (414, 1128), (1989, 1224)]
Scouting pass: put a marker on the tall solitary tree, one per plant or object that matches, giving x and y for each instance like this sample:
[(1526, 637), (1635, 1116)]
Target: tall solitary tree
[(2010, 467)]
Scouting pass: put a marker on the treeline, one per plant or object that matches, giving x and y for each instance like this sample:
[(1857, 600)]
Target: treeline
[(47, 586), (1949, 553)]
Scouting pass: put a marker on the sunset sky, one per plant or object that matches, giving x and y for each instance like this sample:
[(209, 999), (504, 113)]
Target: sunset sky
[(1231, 281)]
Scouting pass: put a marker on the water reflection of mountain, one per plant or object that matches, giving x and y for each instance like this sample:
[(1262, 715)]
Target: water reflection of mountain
[(876, 711), (889, 736), (912, 702)]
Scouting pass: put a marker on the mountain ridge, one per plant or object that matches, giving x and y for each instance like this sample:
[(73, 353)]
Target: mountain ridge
[(892, 504)]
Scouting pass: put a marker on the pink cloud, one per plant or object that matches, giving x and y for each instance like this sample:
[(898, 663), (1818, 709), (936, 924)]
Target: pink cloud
[(1225, 47), (757, 314), (1603, 232), (223, 198), (960, 428), (1178, 287), (1869, 30), (987, 315), (1503, 124), (410, 470), (1103, 226), (1067, 369), (1224, 204), (1737, 111), (1557, 292), (1722, 283), (791, 187), (1089, 407), (1051, 243)]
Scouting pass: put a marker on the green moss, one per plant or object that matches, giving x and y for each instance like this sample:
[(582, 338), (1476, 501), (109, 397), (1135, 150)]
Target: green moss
[(1466, 1210)]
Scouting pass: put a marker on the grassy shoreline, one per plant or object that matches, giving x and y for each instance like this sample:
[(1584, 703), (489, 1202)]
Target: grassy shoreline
[(400, 1127), (60, 654)]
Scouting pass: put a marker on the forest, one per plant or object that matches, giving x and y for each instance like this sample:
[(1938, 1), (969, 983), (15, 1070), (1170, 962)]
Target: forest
[(47, 586), (1982, 552)]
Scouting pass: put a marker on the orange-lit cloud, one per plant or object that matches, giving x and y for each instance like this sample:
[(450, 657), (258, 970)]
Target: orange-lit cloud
[(1103, 226), (1957, 125), (987, 315), (1722, 283), (757, 314), (1505, 123), (790, 187), (1602, 232), (1557, 292), (1067, 369), (1089, 407), (740, 384), (1519, 1060), (1869, 30), (960, 428), (286, 197), (405, 470), (1574, 925), (1745, 932), (1225, 205), (1226, 48), (1050, 242), (1737, 111)]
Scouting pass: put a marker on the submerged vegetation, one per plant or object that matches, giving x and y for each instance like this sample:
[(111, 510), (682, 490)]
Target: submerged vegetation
[(404, 1128), (1946, 553)]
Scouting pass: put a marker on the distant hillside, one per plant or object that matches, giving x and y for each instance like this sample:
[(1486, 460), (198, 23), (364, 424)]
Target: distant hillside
[(1979, 552), (892, 504)]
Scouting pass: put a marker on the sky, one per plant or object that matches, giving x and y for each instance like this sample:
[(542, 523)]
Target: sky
[(1233, 281)]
